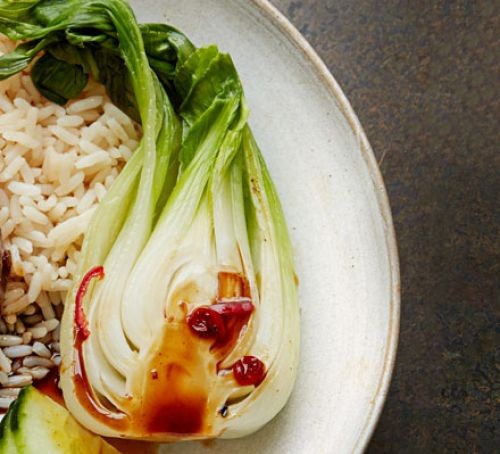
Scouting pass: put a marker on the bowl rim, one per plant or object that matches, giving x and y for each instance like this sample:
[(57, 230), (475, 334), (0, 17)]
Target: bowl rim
[(301, 44)]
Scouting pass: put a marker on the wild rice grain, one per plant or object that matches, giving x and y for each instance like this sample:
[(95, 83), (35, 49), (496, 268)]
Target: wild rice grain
[(33, 319), (59, 311), (16, 364), (15, 284)]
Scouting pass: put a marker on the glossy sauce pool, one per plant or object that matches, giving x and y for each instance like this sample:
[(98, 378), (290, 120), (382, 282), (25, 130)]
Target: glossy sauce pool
[(50, 386), (171, 397)]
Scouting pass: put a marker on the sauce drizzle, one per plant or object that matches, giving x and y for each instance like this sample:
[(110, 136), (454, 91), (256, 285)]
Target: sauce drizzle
[(81, 323), (50, 386), (80, 379)]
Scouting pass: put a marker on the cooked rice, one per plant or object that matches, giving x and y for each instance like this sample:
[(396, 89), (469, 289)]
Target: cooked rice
[(56, 164)]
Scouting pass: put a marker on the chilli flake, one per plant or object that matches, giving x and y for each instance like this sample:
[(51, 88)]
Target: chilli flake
[(81, 323)]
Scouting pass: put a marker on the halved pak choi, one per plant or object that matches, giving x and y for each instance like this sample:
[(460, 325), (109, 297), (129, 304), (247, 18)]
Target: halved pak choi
[(183, 322)]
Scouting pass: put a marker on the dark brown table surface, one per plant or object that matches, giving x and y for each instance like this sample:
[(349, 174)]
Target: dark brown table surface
[(423, 78)]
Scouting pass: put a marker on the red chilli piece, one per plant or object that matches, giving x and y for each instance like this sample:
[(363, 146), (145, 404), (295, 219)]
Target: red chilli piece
[(249, 370), (81, 322), (207, 323)]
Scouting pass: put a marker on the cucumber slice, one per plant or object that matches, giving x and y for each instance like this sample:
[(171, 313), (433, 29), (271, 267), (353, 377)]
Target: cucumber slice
[(37, 424), (7, 444)]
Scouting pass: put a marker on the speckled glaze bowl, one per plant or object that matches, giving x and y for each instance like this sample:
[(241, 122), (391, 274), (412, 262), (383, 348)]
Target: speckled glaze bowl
[(340, 222)]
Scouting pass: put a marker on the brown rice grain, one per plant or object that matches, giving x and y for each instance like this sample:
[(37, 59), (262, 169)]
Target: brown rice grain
[(5, 402), (57, 360), (19, 381), (56, 164), (5, 362), (38, 373), (18, 351), (9, 392), (38, 332), (27, 337), (33, 361), (41, 350), (8, 340)]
